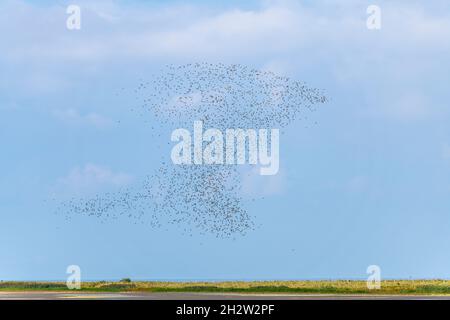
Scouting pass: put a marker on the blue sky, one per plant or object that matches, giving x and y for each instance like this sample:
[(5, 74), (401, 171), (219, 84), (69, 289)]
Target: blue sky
[(369, 184)]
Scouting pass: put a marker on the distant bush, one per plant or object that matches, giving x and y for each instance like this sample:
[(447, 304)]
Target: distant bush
[(128, 280)]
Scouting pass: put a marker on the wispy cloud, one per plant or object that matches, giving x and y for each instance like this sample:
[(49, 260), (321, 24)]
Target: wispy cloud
[(357, 184), (409, 107), (255, 185), (112, 30), (410, 48), (92, 177), (73, 117), (446, 151)]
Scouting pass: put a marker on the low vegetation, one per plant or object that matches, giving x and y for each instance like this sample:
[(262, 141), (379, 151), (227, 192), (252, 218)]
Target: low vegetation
[(295, 287)]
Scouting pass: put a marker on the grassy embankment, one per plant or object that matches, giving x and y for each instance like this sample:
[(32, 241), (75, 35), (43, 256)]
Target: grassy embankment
[(390, 287)]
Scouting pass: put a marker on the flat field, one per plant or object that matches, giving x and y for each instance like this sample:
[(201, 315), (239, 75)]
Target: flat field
[(335, 287)]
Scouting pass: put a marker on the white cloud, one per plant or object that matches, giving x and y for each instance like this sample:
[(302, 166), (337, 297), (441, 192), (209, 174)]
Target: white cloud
[(108, 17), (256, 185), (411, 106), (92, 177), (73, 117), (289, 36), (268, 30), (446, 151), (357, 184), (111, 30)]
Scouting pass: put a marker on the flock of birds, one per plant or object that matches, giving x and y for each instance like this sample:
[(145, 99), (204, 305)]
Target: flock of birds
[(202, 198)]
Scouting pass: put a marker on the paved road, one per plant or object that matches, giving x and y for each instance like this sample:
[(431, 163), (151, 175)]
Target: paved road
[(195, 296)]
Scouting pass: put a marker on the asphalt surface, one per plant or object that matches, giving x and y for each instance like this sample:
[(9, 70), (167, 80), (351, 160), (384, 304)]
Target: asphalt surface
[(198, 296)]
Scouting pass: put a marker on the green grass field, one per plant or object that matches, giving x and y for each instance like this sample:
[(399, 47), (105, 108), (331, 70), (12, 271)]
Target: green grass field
[(388, 287)]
